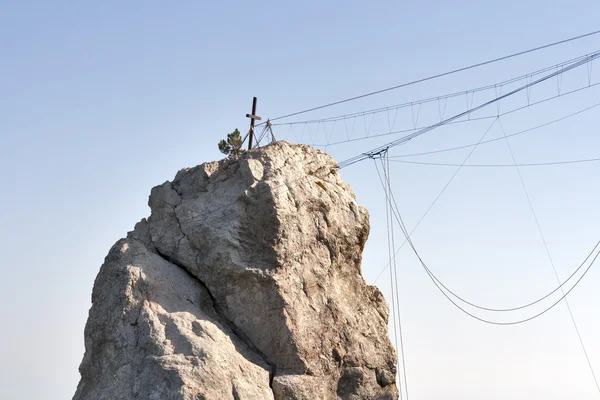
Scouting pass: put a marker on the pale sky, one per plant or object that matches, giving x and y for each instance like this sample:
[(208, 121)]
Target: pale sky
[(101, 101)]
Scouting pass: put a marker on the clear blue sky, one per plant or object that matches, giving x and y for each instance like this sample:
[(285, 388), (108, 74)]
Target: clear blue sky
[(100, 101)]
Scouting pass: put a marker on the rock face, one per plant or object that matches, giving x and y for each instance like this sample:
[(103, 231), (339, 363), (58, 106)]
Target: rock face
[(244, 283)]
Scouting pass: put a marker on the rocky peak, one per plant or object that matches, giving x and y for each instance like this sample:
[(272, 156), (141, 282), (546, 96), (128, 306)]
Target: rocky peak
[(244, 283)]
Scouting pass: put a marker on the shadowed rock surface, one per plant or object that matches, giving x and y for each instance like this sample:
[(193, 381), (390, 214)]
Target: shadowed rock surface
[(244, 283)]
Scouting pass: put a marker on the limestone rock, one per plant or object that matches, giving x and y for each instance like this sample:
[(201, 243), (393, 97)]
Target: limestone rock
[(244, 283)]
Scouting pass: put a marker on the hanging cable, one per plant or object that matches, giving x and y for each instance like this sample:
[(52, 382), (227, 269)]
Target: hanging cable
[(393, 274), (405, 139), (472, 304), (439, 75), (540, 164), (386, 172), (539, 228), (525, 77), (467, 146), (438, 197), (398, 217), (388, 221), (456, 296), (499, 138), (460, 121), (440, 285)]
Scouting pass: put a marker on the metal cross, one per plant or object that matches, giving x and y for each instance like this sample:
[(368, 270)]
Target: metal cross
[(253, 117)]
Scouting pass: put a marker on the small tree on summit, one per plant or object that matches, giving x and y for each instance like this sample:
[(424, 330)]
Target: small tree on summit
[(233, 144)]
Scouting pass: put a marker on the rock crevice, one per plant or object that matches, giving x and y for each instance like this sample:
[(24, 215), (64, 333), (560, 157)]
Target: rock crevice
[(236, 331)]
